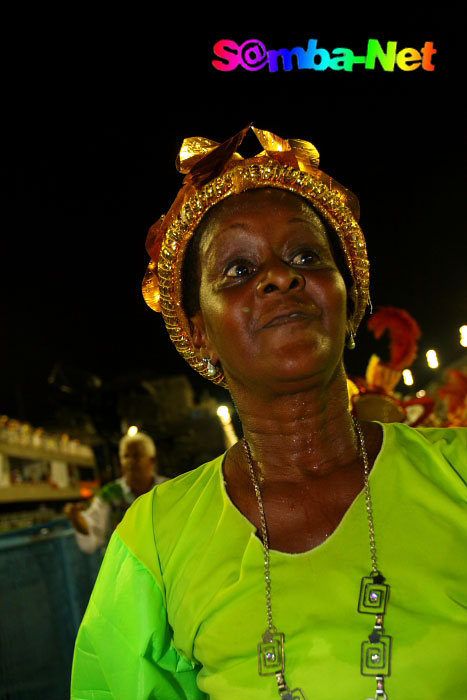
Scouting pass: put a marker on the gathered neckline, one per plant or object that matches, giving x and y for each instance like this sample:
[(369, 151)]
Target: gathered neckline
[(335, 532)]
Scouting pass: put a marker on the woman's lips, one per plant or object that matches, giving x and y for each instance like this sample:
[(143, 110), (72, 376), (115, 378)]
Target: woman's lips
[(284, 319)]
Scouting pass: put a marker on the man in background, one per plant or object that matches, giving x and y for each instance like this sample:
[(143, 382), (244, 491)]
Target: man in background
[(95, 525)]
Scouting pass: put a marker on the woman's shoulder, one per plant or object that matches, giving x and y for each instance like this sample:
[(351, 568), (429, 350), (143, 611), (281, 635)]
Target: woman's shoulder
[(456, 437), (431, 448), (188, 508), (169, 505), (189, 485), (171, 499)]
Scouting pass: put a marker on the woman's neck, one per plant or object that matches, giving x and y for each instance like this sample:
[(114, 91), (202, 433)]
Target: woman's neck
[(295, 436)]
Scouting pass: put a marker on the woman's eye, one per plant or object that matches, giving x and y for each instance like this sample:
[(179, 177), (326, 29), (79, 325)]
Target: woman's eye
[(304, 257), (239, 269)]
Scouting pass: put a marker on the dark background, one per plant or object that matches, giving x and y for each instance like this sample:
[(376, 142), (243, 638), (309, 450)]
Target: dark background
[(93, 117)]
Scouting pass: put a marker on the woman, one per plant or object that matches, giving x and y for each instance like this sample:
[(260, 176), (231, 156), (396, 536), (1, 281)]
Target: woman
[(266, 572)]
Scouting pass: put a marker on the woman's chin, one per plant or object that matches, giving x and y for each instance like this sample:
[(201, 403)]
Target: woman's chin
[(302, 359), (295, 373)]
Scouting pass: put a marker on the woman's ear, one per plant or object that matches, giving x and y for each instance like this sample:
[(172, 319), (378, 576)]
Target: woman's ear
[(201, 340), (198, 330)]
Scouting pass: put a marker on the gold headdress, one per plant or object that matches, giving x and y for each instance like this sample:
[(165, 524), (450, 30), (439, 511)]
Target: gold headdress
[(216, 171)]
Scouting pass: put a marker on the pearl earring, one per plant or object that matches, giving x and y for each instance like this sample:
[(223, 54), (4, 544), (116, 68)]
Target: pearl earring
[(350, 344), (211, 369)]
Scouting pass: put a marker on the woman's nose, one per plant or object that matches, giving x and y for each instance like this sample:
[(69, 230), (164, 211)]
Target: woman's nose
[(280, 277)]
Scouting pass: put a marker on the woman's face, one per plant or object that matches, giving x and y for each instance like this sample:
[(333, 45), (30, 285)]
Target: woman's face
[(272, 300)]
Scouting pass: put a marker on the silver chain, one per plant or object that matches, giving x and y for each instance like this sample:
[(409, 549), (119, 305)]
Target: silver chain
[(264, 536), (369, 504), (264, 530)]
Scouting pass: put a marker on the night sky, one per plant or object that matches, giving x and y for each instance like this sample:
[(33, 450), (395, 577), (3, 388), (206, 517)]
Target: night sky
[(93, 123)]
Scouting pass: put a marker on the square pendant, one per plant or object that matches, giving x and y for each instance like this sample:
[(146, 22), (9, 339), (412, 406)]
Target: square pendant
[(376, 657), (373, 596), (271, 655)]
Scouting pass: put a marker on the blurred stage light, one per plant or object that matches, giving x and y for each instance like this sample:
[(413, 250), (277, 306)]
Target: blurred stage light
[(432, 359), (224, 414)]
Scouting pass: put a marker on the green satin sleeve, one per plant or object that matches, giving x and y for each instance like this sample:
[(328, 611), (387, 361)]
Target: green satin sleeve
[(124, 646)]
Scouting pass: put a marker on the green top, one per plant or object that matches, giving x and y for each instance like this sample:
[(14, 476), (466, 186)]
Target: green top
[(179, 605), (119, 497)]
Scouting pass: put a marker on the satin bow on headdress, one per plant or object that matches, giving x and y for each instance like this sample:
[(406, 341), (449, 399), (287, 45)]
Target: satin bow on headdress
[(202, 160)]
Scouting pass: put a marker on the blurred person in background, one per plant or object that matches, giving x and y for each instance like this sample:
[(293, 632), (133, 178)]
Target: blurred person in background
[(95, 525)]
